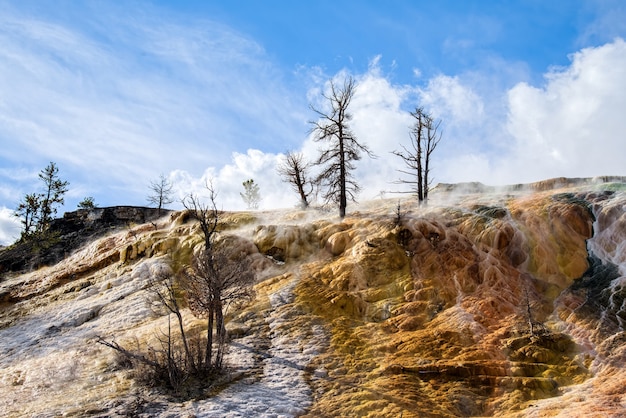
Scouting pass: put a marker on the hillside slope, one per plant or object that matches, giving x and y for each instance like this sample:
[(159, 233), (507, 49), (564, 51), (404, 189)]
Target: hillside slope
[(485, 303)]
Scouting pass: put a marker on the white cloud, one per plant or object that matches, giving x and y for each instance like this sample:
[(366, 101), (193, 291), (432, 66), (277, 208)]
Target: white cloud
[(573, 125), (227, 181), (379, 122), (447, 97), (382, 124), (9, 226)]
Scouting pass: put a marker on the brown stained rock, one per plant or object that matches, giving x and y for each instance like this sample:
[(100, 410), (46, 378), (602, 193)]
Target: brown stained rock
[(469, 291), (285, 242), (426, 318), (556, 230), (338, 242)]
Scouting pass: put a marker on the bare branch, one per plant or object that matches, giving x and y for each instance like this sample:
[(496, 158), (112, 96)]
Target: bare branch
[(332, 127), (126, 353), (294, 170), (424, 138), (206, 214), (162, 189)]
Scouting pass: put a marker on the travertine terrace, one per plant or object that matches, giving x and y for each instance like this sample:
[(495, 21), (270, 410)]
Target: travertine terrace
[(483, 303)]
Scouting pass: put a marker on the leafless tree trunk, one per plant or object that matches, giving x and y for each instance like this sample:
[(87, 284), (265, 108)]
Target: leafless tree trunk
[(197, 281), (433, 136), (214, 278), (163, 287), (332, 127), (220, 329), (424, 139), (162, 190), (210, 290), (198, 277), (206, 214), (294, 170)]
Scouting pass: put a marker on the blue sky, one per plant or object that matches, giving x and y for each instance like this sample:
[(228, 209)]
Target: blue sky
[(117, 93)]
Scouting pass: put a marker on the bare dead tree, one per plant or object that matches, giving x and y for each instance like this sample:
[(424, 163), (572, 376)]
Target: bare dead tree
[(207, 215), (212, 282), (294, 170), (215, 278), (343, 148), (197, 278), (162, 192), (433, 136), (170, 364), (162, 285), (425, 136), (413, 157)]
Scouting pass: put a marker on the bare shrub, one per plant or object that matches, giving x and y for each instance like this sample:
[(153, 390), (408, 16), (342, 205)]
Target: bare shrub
[(218, 277)]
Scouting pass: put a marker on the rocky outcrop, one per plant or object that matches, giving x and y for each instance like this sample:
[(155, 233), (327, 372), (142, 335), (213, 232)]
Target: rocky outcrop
[(539, 186), (67, 234)]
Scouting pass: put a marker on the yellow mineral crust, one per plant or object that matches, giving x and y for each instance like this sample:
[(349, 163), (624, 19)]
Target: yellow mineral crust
[(467, 309)]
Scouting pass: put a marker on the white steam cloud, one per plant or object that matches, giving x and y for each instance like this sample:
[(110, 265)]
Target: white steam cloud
[(571, 126)]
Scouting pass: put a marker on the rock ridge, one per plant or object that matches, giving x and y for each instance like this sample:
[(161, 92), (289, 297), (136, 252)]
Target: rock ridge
[(68, 233)]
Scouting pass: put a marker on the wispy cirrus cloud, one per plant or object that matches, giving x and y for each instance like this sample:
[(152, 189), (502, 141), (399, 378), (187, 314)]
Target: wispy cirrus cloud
[(125, 96), (117, 94)]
